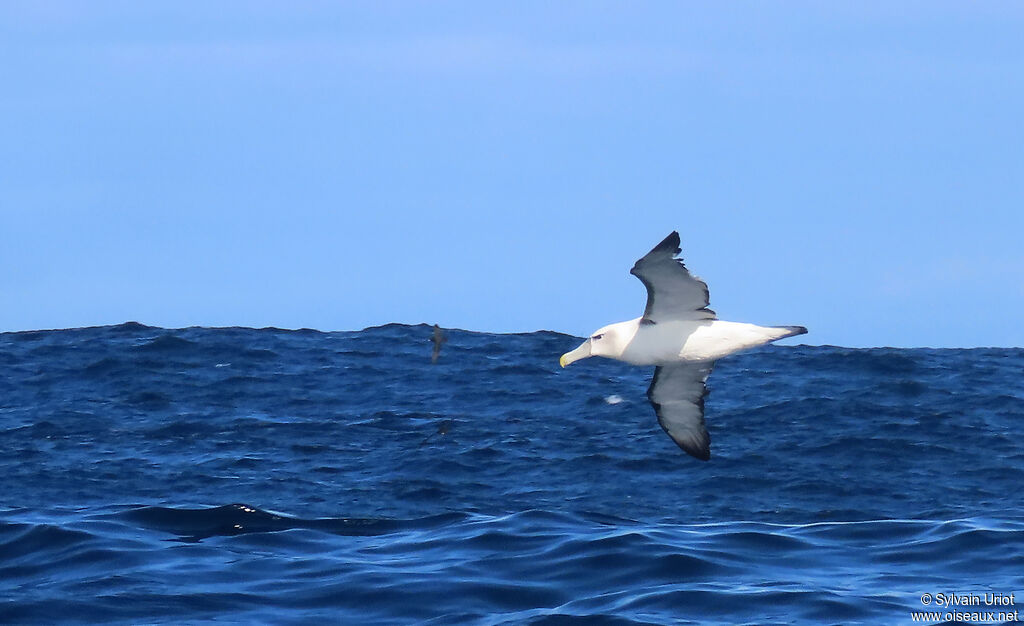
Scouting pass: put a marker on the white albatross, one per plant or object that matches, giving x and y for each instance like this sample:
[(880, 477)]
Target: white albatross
[(679, 335)]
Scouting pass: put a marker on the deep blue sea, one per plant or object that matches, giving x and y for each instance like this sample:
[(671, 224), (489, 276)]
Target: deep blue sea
[(236, 475)]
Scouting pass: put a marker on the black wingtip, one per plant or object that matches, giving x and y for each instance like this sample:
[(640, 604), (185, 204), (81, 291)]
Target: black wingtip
[(698, 450), (701, 455), (668, 243), (795, 330)]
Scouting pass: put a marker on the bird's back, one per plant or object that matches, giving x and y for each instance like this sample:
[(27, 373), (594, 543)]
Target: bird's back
[(720, 338), (670, 342)]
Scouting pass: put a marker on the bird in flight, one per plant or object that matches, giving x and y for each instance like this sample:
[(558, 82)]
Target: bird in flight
[(438, 338), (682, 338)]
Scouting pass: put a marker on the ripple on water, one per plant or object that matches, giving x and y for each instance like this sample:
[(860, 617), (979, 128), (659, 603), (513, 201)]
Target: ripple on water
[(342, 477)]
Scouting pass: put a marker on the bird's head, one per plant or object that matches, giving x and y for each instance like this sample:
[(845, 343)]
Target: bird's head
[(602, 342)]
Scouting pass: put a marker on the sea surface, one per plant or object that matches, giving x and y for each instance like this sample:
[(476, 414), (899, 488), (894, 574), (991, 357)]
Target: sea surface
[(238, 475)]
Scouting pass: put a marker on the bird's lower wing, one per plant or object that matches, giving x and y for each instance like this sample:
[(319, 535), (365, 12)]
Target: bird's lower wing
[(677, 394)]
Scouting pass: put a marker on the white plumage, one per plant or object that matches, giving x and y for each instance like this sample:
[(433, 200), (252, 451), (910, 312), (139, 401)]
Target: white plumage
[(681, 336)]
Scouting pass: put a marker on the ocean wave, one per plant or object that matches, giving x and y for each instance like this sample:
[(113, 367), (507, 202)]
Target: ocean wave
[(523, 566), (493, 486)]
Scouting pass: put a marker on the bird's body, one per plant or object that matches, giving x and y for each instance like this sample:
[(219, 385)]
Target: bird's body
[(438, 339), (681, 337), (673, 341)]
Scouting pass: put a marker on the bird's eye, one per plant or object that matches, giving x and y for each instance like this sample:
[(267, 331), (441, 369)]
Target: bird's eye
[(596, 337)]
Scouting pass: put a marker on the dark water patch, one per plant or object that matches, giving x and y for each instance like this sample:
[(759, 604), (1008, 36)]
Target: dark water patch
[(26, 336), (237, 519), (259, 354), (51, 352), (151, 400), (235, 383), (180, 428), (367, 354), (168, 344), (104, 367)]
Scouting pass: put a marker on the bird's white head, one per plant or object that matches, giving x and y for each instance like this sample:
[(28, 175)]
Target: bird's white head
[(606, 341)]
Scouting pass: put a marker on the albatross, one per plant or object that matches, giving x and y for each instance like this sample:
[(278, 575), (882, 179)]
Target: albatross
[(682, 338)]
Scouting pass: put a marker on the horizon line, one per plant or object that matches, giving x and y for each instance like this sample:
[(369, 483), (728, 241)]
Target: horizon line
[(463, 330)]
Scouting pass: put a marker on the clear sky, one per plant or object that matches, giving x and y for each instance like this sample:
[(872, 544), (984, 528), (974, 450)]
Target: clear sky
[(856, 168)]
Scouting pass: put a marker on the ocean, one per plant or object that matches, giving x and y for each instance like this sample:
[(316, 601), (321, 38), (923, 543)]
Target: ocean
[(238, 475)]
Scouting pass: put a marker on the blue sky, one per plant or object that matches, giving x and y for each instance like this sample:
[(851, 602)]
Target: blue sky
[(857, 168)]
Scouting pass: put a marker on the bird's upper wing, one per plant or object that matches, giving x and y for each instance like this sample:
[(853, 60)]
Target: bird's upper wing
[(677, 395), (672, 292)]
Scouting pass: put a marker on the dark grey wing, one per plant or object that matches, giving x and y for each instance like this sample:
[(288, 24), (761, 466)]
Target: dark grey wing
[(672, 292), (677, 394)]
